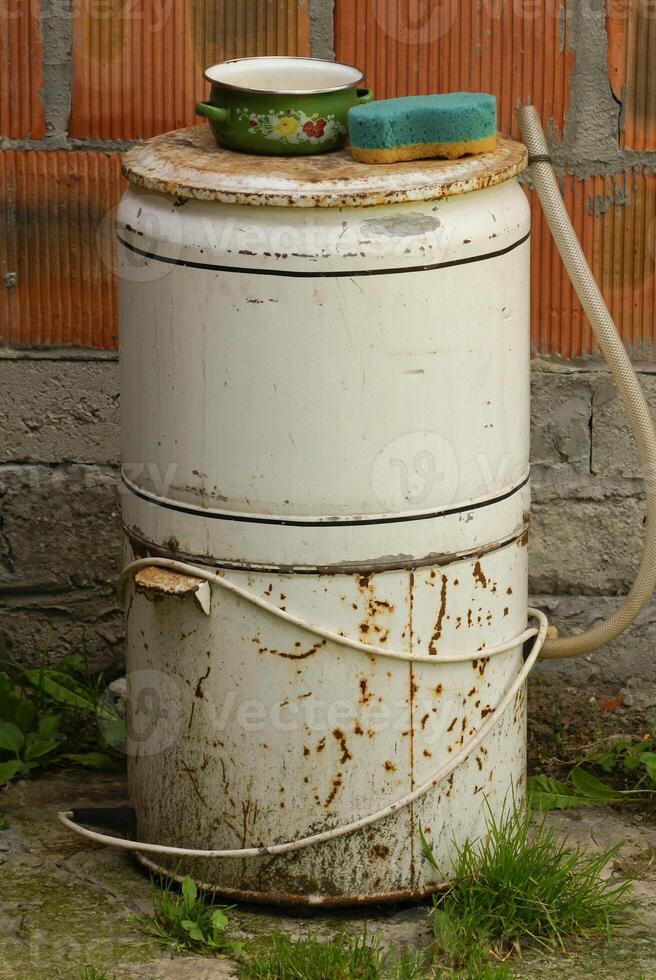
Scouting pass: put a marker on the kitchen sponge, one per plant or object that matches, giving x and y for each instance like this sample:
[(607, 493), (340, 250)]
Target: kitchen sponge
[(451, 125)]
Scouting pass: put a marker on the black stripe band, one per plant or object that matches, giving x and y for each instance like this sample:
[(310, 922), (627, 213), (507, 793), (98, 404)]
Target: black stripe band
[(356, 522), (189, 264)]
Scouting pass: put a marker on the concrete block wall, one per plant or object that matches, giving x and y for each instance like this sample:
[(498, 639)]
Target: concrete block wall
[(59, 496)]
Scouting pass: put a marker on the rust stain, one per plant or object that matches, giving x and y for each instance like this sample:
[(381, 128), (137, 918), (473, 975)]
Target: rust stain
[(380, 851), (432, 646), (199, 686), (389, 766), (163, 582), (188, 164), (194, 782), (290, 898), (321, 744), (375, 607), (336, 784), (339, 735), (479, 576), (295, 656), (56, 250), (21, 55)]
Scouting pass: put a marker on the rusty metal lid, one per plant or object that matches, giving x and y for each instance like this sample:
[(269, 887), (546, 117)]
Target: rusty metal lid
[(187, 163)]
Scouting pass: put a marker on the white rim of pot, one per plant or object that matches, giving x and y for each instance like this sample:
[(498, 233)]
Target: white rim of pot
[(310, 62)]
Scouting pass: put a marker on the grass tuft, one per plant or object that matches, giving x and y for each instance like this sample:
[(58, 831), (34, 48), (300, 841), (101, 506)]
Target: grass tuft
[(347, 957), (187, 923), (521, 883)]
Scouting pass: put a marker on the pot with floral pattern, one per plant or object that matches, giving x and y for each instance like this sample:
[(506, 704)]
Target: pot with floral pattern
[(281, 106)]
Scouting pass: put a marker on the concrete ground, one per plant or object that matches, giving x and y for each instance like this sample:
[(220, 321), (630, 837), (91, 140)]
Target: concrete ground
[(67, 904)]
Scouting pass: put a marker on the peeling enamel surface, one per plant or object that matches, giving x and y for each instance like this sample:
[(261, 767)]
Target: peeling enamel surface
[(158, 583), (188, 164), (271, 734), (328, 405)]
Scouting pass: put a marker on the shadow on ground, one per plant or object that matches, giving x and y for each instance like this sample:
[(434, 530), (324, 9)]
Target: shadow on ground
[(67, 904)]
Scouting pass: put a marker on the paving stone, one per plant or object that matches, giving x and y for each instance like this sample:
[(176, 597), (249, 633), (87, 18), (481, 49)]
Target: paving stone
[(66, 903)]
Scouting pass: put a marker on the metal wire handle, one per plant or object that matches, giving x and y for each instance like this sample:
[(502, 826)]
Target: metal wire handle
[(65, 817)]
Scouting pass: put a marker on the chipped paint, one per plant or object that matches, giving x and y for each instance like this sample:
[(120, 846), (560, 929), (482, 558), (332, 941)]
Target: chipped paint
[(306, 733), (156, 583), (188, 164)]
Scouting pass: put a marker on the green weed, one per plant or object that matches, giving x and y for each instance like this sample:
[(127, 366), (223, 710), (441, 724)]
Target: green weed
[(346, 957), (465, 949), (521, 883), (630, 762), (40, 713), (188, 923)]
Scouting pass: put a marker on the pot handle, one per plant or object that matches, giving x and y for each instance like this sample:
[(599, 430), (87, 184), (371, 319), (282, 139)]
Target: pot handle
[(364, 95), (212, 112)]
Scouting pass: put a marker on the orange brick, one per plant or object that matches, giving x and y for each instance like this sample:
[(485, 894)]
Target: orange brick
[(21, 55), (631, 26), (138, 64), (615, 219), (517, 51), (56, 280)]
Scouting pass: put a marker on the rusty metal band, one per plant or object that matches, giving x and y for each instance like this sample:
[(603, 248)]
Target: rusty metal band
[(293, 899), (349, 274), (147, 549), (345, 521)]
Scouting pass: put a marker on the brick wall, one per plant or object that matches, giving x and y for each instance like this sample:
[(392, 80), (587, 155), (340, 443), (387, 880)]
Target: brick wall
[(83, 78)]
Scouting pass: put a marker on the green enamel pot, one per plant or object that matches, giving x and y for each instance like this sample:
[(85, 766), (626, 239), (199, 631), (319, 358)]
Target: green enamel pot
[(281, 106)]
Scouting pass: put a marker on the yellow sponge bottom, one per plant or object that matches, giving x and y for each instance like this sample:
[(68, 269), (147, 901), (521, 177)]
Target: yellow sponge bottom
[(418, 151)]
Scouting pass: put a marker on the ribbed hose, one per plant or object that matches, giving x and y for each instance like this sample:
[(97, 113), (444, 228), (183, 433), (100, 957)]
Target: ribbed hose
[(625, 378)]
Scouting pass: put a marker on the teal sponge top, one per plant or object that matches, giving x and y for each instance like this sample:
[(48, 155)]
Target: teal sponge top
[(450, 118)]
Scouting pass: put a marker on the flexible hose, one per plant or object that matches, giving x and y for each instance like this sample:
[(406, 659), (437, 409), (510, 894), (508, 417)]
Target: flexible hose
[(66, 817), (184, 568), (628, 386)]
